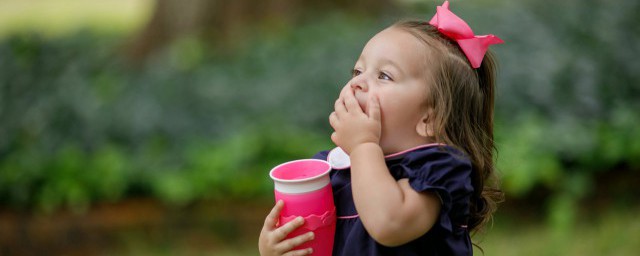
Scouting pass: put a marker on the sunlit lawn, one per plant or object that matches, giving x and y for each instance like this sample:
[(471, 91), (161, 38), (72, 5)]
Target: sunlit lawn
[(58, 17)]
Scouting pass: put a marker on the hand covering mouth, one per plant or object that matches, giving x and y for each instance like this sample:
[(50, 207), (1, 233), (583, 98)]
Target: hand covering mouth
[(363, 104)]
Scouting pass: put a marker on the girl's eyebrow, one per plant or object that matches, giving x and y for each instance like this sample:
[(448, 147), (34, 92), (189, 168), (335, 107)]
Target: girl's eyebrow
[(382, 62), (392, 64)]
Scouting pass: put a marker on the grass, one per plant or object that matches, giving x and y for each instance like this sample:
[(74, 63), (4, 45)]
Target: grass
[(52, 18), (144, 227), (613, 232)]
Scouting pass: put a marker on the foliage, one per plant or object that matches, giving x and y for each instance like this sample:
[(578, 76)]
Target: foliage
[(79, 125), (231, 167), (568, 110)]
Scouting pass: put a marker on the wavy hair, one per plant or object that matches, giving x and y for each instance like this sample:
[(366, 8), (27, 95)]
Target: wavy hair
[(462, 99)]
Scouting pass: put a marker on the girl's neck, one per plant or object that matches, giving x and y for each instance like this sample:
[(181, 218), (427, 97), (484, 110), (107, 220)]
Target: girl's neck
[(406, 145)]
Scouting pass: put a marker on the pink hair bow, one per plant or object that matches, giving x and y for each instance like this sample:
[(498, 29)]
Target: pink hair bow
[(452, 26)]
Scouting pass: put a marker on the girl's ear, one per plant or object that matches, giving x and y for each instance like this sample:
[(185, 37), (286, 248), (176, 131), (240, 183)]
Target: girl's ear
[(425, 125)]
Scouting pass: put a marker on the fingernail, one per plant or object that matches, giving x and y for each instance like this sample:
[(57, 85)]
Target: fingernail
[(311, 235), (299, 219), (310, 250)]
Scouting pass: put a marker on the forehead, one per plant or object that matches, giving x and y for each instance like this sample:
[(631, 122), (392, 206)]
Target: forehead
[(400, 47)]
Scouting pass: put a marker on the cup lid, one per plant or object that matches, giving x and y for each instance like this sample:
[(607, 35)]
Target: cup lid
[(300, 176)]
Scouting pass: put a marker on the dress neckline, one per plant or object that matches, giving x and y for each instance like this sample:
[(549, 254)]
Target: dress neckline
[(339, 159)]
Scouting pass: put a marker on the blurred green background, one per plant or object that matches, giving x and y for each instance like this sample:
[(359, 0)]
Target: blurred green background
[(142, 127)]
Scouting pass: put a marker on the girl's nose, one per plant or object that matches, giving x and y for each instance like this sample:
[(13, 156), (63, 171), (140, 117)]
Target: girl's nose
[(359, 83)]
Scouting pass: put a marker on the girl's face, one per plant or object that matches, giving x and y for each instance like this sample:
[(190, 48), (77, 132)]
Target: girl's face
[(392, 67)]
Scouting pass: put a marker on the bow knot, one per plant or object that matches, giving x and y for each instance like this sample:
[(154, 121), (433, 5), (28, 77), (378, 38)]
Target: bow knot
[(474, 47)]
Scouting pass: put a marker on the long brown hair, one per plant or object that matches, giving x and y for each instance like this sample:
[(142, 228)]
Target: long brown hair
[(462, 99)]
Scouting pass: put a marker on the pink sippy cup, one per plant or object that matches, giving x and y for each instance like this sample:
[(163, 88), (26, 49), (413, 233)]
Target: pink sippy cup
[(305, 188)]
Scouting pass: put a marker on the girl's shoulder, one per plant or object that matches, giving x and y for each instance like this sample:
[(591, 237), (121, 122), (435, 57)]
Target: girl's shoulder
[(322, 155), (439, 154), (442, 168)]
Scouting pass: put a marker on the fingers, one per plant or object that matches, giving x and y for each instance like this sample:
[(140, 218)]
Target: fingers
[(345, 90), (374, 108), (272, 240), (334, 138), (347, 102), (272, 219), (306, 251), (289, 244), (339, 106), (333, 119), (282, 232), (351, 103), (334, 122)]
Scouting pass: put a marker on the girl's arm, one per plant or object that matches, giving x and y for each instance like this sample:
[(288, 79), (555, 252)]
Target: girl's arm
[(392, 212)]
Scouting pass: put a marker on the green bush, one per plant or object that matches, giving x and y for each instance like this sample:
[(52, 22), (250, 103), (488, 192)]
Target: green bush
[(80, 125), (567, 100)]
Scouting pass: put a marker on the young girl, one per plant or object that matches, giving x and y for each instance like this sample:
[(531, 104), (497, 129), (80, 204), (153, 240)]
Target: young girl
[(416, 121)]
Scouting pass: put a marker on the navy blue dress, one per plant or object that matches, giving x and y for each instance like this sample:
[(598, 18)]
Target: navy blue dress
[(441, 169)]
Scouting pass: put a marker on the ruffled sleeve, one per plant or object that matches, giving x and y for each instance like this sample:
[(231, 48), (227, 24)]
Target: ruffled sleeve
[(447, 172), (322, 155)]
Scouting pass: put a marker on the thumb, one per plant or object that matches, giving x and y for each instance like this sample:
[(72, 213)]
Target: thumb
[(374, 108)]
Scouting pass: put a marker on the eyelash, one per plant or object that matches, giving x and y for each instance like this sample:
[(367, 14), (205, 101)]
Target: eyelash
[(355, 72), (384, 74)]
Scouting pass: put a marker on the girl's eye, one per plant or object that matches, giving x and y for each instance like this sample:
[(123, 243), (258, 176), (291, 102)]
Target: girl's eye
[(355, 72), (384, 76)]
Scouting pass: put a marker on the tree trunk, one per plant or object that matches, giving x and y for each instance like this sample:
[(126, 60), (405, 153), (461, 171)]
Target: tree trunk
[(222, 22)]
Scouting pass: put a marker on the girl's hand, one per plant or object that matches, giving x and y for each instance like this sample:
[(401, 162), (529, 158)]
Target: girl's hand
[(352, 125), (272, 241)]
